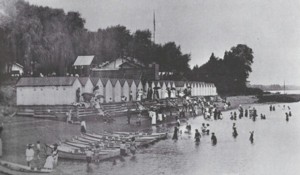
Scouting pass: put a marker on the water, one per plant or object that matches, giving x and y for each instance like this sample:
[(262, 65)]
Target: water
[(275, 150)]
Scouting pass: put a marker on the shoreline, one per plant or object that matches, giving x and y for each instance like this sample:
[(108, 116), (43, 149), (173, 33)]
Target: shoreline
[(32, 129)]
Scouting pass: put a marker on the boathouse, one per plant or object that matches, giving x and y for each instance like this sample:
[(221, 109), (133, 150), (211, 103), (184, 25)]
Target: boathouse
[(47, 90)]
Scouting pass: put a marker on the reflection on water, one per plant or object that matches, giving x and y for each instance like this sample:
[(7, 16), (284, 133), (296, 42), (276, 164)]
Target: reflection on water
[(275, 150)]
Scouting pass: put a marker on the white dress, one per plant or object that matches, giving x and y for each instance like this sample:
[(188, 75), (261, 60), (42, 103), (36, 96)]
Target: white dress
[(49, 162)]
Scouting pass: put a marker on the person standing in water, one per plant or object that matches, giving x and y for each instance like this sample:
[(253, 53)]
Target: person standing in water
[(203, 128), (132, 146), (207, 129), (286, 116), (234, 134), (197, 136), (175, 135), (213, 139), (251, 137)]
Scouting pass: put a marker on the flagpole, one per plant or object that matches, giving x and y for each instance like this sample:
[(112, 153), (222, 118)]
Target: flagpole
[(153, 26)]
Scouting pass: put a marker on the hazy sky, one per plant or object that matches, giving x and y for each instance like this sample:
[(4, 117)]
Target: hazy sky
[(270, 27)]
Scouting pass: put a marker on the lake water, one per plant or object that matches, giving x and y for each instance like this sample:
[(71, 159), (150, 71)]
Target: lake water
[(275, 150)]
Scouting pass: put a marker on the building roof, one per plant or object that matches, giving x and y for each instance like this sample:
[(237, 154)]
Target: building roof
[(19, 65), (84, 60), (179, 83), (45, 81), (118, 74)]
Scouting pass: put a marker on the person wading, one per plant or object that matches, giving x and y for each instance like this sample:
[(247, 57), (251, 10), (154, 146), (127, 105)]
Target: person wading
[(234, 134), (197, 136), (89, 154), (175, 134), (132, 146), (251, 137), (213, 139)]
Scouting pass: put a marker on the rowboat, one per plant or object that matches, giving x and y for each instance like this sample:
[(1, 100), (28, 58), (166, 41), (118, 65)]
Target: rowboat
[(23, 168), (120, 137), (65, 152), (77, 145), (141, 134), (140, 141)]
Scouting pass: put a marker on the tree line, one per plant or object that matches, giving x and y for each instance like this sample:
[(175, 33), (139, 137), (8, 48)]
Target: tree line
[(46, 40)]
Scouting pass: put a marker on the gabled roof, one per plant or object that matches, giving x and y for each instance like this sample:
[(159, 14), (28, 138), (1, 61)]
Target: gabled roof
[(84, 60), (45, 81), (19, 65), (130, 65), (83, 80), (118, 74)]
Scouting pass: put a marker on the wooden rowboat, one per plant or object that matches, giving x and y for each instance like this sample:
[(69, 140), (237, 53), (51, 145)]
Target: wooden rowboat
[(23, 168), (65, 152)]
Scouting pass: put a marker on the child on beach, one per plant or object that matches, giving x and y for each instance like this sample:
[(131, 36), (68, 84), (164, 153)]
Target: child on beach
[(123, 149), (29, 154), (38, 149)]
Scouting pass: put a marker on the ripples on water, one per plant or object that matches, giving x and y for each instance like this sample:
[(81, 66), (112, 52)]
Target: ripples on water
[(275, 150)]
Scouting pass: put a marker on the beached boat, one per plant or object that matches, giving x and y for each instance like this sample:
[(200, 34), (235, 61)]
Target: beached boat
[(120, 137), (142, 134), (23, 168), (77, 145), (140, 141), (65, 152)]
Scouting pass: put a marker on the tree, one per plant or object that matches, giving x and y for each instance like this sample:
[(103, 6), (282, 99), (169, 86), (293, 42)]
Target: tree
[(228, 74)]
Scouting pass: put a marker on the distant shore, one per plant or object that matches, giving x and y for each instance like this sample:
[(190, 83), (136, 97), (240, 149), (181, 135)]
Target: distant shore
[(280, 98)]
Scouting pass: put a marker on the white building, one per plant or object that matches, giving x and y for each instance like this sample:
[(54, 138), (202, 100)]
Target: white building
[(47, 90)]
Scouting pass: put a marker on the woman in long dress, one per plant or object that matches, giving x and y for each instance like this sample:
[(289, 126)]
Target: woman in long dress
[(49, 162), (55, 154)]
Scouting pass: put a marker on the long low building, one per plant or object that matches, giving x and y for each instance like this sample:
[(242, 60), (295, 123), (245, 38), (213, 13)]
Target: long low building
[(62, 90)]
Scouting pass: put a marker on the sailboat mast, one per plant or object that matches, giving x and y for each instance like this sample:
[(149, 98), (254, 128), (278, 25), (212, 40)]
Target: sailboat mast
[(284, 87)]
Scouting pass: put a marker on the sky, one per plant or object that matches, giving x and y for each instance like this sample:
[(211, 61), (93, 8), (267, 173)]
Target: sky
[(270, 27)]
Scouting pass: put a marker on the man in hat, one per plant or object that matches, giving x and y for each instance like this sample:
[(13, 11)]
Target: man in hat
[(29, 154)]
